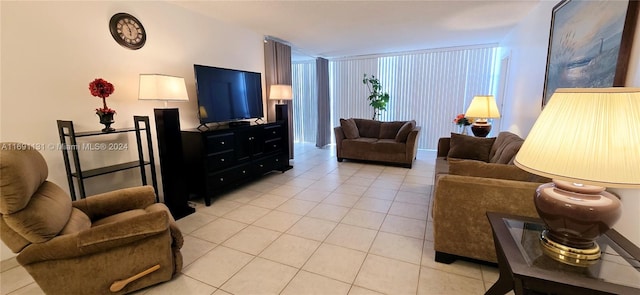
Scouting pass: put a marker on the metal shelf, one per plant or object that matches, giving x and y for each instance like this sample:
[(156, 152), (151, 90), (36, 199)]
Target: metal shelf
[(68, 139)]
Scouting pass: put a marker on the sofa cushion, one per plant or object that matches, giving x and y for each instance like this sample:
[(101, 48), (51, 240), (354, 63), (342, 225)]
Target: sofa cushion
[(389, 146), (77, 222), (492, 170), (404, 131), (470, 147), (368, 128), (505, 148), (389, 130), (349, 128)]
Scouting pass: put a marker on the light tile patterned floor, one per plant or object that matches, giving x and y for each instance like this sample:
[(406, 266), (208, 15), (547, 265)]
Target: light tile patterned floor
[(321, 228)]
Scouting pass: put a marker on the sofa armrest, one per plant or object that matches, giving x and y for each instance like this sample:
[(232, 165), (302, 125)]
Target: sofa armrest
[(113, 202), (459, 212), (339, 134), (97, 239), (412, 143), (443, 146)]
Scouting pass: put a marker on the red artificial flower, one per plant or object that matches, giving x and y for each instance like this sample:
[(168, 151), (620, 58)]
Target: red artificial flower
[(101, 88), (461, 120), (103, 111)]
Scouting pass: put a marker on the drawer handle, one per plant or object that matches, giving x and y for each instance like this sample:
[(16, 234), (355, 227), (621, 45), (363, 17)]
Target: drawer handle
[(222, 160), (222, 142), (221, 179), (244, 172)]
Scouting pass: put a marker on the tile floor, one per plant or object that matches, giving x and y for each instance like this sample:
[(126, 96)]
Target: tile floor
[(322, 227)]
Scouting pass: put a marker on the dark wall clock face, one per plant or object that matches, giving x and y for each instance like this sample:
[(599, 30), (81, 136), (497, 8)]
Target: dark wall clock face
[(127, 30)]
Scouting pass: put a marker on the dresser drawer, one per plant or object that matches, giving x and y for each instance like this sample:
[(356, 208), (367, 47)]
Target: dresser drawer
[(219, 142), (217, 161), (273, 145), (272, 132), (228, 176), (267, 164)]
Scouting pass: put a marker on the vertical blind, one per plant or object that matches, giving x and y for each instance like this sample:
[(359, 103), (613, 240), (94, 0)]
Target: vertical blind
[(305, 101), (431, 87)]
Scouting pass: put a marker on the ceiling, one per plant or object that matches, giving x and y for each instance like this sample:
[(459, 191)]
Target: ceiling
[(349, 28)]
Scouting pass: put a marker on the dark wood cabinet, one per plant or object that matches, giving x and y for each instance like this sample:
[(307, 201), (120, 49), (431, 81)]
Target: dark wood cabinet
[(219, 159)]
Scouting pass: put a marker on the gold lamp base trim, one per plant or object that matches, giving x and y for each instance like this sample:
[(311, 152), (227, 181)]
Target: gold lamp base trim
[(569, 255)]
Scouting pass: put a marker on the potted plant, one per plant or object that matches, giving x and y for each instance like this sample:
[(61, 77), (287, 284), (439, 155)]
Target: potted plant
[(102, 89), (377, 99)]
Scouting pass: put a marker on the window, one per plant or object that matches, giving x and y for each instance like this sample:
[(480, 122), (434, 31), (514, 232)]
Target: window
[(431, 87)]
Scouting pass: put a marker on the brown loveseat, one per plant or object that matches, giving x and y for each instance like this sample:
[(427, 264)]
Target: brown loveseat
[(475, 176), (84, 246), (369, 140)]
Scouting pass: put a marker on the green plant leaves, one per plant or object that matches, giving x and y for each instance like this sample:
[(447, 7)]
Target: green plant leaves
[(377, 99)]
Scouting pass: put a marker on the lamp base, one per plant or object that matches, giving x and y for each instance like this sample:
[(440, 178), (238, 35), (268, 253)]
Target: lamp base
[(575, 215), (481, 129), (569, 255)]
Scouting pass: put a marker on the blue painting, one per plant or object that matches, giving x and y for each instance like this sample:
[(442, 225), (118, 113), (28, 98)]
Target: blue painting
[(584, 45)]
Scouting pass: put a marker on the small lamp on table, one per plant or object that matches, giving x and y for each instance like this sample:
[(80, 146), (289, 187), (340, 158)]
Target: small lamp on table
[(281, 92), (482, 108)]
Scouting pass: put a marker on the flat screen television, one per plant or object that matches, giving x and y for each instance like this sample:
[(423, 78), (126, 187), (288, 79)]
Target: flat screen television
[(226, 95)]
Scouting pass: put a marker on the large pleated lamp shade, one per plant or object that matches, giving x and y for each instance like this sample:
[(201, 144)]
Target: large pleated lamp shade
[(585, 139)]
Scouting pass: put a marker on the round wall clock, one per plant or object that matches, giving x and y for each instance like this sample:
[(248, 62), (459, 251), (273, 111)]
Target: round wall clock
[(127, 31)]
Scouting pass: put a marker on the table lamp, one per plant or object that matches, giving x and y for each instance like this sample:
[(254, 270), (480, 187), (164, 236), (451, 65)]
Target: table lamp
[(280, 92), (168, 88), (162, 87), (482, 108), (585, 139)]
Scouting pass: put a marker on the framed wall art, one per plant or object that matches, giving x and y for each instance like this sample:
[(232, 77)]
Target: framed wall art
[(589, 44)]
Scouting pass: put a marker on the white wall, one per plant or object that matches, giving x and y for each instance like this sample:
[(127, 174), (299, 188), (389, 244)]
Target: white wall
[(52, 50), (527, 44)]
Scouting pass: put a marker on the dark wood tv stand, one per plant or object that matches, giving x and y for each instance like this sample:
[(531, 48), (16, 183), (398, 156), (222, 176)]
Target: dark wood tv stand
[(222, 157)]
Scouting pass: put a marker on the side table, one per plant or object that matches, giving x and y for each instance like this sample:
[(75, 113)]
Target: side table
[(525, 269)]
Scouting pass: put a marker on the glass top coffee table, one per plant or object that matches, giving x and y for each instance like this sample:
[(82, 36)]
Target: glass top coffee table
[(525, 269)]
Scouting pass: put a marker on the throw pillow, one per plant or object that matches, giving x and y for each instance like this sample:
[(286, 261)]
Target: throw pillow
[(389, 130), (470, 147), (368, 128), (404, 131), (349, 128), (492, 170)]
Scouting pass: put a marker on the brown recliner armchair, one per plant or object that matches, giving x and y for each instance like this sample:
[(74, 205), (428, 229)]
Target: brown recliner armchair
[(111, 243)]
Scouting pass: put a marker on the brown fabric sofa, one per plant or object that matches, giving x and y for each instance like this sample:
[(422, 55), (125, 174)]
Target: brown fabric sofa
[(370, 140), (83, 247), (475, 176)]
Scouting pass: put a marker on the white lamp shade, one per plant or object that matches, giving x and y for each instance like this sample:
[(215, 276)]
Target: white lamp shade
[(280, 92), (162, 87), (587, 135), (483, 106)]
